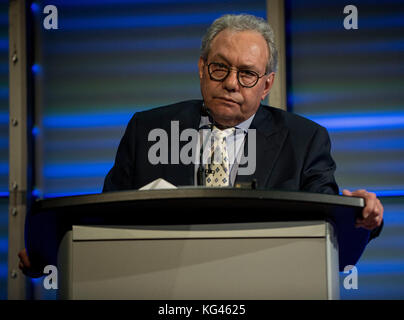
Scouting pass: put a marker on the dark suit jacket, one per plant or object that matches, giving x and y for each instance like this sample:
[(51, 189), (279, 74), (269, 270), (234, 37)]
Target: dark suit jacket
[(293, 153)]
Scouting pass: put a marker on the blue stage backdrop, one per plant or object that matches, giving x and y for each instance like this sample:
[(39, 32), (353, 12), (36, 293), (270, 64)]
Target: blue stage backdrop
[(351, 82), (109, 59)]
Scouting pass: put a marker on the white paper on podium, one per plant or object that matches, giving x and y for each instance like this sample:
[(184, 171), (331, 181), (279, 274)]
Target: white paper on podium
[(158, 184)]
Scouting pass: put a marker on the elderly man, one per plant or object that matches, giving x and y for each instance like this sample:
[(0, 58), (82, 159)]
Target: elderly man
[(236, 69)]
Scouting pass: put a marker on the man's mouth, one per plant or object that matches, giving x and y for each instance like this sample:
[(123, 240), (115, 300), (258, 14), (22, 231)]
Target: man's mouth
[(228, 100)]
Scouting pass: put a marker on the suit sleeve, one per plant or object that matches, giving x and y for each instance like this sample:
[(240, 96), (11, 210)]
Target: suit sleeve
[(120, 177), (319, 166), (318, 173)]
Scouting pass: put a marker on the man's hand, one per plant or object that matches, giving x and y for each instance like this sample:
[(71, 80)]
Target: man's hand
[(25, 265), (372, 214)]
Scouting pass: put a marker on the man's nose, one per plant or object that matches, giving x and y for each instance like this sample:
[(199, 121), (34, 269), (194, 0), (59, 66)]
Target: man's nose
[(231, 81)]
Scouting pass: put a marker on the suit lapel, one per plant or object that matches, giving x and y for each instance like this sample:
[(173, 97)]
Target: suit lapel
[(188, 118), (270, 136)]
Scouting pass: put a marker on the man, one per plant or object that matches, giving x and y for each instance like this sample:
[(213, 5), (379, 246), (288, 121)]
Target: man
[(293, 153), (236, 70)]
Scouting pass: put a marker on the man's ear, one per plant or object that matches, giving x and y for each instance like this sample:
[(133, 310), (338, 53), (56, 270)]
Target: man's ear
[(268, 85), (201, 65)]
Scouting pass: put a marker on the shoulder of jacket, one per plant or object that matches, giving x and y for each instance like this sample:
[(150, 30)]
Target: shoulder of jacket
[(167, 111), (292, 120)]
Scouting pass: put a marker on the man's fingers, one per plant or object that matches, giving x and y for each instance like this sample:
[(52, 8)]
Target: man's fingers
[(359, 193), (25, 265), (24, 260), (366, 225), (371, 202), (380, 208), (372, 214), (346, 192), (369, 223)]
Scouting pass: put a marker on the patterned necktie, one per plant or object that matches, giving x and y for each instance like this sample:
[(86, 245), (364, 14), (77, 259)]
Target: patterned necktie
[(219, 174)]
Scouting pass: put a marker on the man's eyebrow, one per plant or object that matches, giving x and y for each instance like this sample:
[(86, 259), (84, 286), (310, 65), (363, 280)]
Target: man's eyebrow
[(244, 66), (220, 56)]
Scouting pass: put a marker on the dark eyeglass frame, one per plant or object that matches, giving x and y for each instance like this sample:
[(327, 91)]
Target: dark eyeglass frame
[(222, 65)]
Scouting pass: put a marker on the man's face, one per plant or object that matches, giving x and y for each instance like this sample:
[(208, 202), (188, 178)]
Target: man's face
[(229, 102)]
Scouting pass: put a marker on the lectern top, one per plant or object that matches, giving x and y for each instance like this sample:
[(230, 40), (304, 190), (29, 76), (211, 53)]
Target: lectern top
[(195, 193)]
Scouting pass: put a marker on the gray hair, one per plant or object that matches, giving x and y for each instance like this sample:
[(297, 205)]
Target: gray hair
[(242, 22)]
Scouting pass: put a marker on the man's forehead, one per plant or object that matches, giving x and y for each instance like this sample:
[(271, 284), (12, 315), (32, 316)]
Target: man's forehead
[(250, 43), (247, 35)]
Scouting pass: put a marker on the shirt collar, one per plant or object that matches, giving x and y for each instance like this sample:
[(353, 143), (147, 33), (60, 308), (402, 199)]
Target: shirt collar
[(205, 123)]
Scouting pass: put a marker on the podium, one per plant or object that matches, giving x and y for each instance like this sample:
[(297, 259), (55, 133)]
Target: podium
[(197, 243)]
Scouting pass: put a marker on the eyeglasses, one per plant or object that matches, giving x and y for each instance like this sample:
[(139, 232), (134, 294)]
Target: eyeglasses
[(246, 78)]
